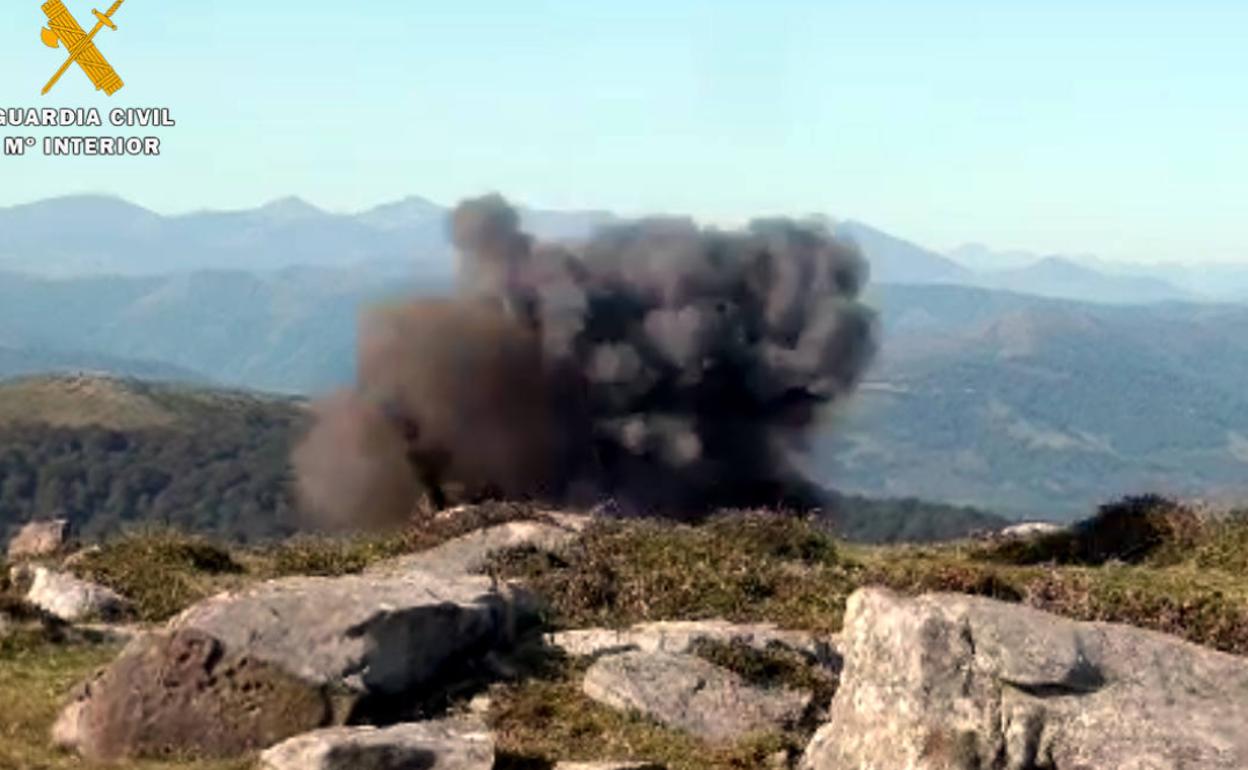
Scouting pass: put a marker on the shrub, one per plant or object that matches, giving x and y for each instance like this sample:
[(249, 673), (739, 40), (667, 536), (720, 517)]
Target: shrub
[(1131, 530), (160, 572), (324, 556)]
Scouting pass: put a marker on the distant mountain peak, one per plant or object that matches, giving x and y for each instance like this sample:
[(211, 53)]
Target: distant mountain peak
[(895, 260), (410, 211), (96, 202), (288, 208)]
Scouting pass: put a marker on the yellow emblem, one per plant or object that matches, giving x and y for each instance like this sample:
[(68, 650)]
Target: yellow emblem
[(63, 28)]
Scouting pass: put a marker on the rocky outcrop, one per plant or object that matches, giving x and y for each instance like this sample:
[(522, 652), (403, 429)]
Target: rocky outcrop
[(38, 539), (691, 694), (417, 746), (370, 641), (366, 634), (471, 553), (950, 681), (678, 636), (71, 599), (183, 692)]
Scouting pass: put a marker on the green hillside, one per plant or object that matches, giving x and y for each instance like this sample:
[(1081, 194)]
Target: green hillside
[(114, 454), (109, 454), (1039, 407)]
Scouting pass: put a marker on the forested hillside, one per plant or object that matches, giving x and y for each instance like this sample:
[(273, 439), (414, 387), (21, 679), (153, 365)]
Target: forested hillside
[(108, 455), (112, 455)]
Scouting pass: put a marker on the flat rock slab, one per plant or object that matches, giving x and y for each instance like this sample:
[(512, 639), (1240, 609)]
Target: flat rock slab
[(946, 681), (691, 694), (471, 553), (72, 599), (416, 746), (681, 636), (182, 692), (366, 634)]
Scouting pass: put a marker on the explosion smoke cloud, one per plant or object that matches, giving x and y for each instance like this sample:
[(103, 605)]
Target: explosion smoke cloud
[(672, 368)]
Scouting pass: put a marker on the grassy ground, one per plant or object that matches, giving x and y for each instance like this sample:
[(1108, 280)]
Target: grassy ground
[(1146, 564)]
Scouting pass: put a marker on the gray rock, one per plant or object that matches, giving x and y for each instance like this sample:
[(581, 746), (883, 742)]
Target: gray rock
[(183, 692), (72, 599), (471, 553), (38, 539), (80, 556), (681, 636), (691, 694), (416, 746), (1028, 530), (367, 634), (950, 681)]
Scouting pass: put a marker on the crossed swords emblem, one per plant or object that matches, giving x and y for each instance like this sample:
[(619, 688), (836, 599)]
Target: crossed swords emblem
[(63, 28)]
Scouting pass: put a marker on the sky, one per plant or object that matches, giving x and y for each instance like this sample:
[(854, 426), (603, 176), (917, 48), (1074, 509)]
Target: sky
[(1108, 128)]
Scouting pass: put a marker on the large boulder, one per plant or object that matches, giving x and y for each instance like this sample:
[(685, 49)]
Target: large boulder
[(184, 693), (471, 553), (691, 694), (366, 634), (372, 645), (38, 539), (72, 599), (681, 636), (445, 745), (951, 681)]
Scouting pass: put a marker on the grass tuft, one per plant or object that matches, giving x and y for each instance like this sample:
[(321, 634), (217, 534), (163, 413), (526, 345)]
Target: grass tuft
[(740, 566), (1131, 530), (161, 572)]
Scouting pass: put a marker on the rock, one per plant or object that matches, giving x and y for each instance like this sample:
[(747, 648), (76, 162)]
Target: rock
[(480, 705), (367, 634), (689, 693), (471, 553), (416, 746), (109, 633), (183, 692), (72, 599), (951, 681), (20, 576), (681, 636), (38, 539), (80, 556), (1028, 530)]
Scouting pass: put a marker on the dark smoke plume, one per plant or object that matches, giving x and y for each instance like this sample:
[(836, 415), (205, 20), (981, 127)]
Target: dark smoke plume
[(671, 368)]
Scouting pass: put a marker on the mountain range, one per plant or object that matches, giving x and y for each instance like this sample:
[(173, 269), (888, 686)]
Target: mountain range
[(987, 391), (98, 235)]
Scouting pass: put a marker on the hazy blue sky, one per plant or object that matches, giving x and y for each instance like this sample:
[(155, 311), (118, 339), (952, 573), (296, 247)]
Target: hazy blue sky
[(1116, 128)]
